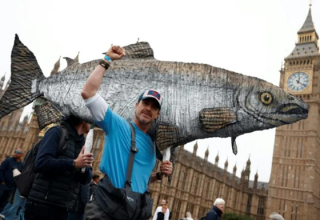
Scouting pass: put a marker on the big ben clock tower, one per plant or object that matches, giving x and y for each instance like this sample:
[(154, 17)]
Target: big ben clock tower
[(299, 64), (294, 187)]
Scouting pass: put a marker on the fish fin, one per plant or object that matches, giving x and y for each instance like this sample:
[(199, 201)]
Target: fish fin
[(159, 155), (139, 50), (167, 135), (152, 132), (234, 145), (213, 119), (173, 157), (46, 112), (70, 61), (25, 77)]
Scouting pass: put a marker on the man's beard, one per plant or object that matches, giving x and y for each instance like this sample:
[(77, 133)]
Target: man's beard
[(143, 121)]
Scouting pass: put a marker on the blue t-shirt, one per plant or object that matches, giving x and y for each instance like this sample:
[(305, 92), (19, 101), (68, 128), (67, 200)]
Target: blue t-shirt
[(115, 156)]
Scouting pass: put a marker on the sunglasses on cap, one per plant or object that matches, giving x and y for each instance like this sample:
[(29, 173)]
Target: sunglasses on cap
[(18, 152)]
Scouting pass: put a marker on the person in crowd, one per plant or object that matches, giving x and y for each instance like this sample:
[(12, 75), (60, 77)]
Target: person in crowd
[(77, 211), (216, 212), (14, 210), (7, 185), (117, 143), (189, 216), (55, 189), (276, 216), (162, 212)]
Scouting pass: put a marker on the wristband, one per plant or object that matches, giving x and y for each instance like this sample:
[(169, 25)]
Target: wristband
[(107, 58), (104, 64)]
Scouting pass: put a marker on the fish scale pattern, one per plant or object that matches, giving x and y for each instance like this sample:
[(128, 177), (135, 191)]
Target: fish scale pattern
[(199, 100), (20, 92)]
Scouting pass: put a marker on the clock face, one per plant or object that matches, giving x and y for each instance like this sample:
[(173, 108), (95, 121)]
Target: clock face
[(298, 81)]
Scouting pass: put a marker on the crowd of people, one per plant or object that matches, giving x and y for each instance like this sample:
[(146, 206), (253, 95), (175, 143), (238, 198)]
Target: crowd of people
[(64, 187)]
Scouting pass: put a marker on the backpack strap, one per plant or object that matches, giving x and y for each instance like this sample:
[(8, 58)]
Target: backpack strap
[(64, 138), (133, 151)]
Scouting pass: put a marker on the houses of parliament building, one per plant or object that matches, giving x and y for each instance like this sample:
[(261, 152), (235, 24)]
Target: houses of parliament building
[(293, 189)]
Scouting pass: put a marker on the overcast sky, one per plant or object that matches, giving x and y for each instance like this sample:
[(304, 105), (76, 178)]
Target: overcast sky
[(251, 37)]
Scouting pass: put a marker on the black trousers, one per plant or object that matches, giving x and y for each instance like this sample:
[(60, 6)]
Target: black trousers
[(38, 211), (94, 212)]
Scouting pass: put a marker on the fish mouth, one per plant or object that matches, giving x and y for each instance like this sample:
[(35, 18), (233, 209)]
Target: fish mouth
[(285, 114), (293, 109)]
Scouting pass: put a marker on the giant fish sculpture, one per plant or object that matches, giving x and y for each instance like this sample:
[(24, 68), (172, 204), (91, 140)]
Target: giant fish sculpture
[(200, 101)]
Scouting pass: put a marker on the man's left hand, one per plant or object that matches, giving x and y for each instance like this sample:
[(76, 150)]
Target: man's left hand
[(116, 52), (166, 168)]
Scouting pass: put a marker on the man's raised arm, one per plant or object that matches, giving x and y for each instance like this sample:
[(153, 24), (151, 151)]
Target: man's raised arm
[(94, 81)]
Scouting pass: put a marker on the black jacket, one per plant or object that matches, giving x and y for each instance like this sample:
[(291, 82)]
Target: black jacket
[(57, 182), (6, 174), (214, 214), (83, 198)]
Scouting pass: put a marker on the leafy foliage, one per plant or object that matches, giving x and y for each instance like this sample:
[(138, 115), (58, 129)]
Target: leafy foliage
[(234, 216)]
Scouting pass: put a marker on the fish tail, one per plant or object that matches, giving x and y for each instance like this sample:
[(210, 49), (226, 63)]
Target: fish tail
[(25, 77)]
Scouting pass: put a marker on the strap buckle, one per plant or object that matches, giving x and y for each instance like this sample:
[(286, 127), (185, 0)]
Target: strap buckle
[(134, 149), (128, 183)]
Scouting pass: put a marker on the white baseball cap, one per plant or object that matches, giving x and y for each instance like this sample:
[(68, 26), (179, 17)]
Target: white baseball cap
[(151, 93)]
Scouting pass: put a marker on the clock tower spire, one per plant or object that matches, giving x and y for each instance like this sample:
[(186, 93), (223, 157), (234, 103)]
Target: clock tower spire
[(299, 64)]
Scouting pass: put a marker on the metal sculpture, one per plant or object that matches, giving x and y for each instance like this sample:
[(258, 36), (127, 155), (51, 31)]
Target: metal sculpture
[(200, 101)]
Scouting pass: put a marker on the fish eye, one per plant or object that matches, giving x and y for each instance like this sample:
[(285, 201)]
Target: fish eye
[(266, 98)]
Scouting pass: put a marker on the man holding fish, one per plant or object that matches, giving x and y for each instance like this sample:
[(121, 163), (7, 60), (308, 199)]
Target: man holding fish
[(114, 162)]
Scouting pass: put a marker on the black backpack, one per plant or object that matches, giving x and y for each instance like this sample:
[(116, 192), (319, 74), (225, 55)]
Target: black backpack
[(25, 180)]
